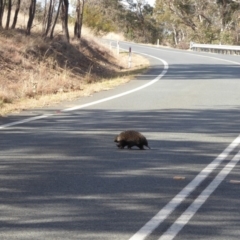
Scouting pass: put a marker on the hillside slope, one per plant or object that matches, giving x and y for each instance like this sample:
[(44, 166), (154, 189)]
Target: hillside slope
[(33, 69)]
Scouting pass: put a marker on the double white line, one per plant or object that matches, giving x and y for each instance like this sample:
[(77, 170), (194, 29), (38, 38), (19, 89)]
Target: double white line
[(176, 227)]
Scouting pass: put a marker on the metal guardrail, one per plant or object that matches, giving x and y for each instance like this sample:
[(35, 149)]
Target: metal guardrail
[(214, 48)]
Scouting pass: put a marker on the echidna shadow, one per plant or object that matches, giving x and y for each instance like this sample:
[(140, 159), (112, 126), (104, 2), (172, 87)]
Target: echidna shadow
[(131, 138)]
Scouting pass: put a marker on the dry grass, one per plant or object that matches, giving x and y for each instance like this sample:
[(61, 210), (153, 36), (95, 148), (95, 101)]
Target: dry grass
[(37, 72)]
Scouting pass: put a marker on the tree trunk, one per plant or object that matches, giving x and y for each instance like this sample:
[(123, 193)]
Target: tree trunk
[(55, 20), (81, 19), (32, 10), (16, 14), (9, 13), (44, 19), (48, 18), (64, 17), (2, 6), (77, 21)]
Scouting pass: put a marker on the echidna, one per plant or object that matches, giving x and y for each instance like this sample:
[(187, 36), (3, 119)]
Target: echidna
[(131, 138)]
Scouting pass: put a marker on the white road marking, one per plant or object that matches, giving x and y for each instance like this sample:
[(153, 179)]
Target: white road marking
[(193, 208), (153, 223), (98, 101), (127, 92), (25, 121), (195, 53)]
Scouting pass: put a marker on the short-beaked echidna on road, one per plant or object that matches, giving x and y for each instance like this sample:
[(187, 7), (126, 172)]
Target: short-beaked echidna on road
[(131, 138)]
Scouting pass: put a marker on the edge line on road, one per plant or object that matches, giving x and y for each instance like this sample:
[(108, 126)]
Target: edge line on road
[(165, 69), (127, 92)]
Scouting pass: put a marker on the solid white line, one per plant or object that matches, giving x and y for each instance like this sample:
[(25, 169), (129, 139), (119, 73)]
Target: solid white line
[(199, 54), (25, 121), (127, 92), (193, 208), (153, 223), (96, 102)]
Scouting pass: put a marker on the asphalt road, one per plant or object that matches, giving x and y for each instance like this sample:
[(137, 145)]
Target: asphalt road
[(62, 177)]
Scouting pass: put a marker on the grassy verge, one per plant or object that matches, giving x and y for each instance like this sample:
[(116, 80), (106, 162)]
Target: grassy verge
[(37, 72)]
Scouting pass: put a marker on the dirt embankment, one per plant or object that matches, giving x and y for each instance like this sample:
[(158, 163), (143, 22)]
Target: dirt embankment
[(36, 72)]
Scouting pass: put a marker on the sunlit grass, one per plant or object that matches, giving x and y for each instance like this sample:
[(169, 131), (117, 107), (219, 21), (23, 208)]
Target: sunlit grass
[(35, 72)]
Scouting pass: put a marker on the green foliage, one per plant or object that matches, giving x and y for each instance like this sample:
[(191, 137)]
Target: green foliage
[(203, 21), (187, 7), (94, 19), (227, 37), (171, 21), (136, 23)]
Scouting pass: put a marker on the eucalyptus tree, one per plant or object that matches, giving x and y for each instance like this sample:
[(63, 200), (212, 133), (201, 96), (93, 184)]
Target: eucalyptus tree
[(32, 9), (64, 17), (206, 21), (2, 7), (50, 17), (9, 11), (17, 8), (79, 11)]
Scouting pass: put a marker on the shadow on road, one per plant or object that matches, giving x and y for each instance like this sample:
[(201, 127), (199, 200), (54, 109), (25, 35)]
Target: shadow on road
[(197, 72), (64, 178), (203, 71)]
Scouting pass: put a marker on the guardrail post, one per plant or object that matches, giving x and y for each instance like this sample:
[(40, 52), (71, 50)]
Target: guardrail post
[(118, 48), (191, 45), (130, 57)]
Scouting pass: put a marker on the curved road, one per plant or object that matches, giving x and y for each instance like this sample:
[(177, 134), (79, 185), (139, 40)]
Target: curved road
[(62, 176)]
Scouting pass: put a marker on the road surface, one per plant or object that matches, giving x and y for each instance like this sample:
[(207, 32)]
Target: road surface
[(62, 177)]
